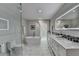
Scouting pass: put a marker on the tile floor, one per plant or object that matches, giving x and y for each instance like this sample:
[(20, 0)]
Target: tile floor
[(37, 50), (41, 50)]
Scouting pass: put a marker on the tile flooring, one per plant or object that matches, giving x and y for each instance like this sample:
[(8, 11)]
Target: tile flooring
[(41, 50), (35, 50)]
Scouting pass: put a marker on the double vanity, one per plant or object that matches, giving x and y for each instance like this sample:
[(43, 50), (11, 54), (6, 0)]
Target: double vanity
[(64, 40), (60, 46)]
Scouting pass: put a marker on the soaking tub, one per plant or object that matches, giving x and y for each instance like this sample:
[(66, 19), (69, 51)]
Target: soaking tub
[(32, 40)]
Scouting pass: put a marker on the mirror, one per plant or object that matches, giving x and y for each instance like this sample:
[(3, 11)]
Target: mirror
[(69, 20), (4, 24)]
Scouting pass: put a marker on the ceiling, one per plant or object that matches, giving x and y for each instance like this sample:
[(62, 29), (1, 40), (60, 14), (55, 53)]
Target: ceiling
[(32, 11)]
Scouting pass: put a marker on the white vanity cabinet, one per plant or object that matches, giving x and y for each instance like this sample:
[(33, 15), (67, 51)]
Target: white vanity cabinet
[(58, 50), (49, 40), (62, 47)]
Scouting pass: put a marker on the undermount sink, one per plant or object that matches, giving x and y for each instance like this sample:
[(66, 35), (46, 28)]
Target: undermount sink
[(58, 37)]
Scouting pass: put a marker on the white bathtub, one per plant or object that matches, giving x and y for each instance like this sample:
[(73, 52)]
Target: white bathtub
[(32, 41)]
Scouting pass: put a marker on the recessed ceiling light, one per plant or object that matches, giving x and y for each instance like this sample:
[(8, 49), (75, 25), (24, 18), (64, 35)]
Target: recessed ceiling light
[(39, 11)]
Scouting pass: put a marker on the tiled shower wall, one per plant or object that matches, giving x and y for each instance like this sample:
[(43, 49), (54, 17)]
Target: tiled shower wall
[(11, 13)]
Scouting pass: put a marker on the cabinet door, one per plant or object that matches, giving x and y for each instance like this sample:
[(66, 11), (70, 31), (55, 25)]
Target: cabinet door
[(58, 49), (54, 46), (51, 51), (61, 50), (50, 42)]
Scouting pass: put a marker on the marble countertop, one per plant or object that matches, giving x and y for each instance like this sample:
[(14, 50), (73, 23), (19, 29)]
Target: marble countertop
[(65, 43)]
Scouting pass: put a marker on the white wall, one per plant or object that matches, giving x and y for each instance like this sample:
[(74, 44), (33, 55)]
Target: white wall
[(11, 13)]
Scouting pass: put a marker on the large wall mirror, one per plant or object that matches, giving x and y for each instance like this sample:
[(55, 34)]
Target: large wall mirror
[(69, 20)]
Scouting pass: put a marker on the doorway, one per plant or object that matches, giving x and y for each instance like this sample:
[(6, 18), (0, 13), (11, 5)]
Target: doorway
[(43, 32), (36, 46)]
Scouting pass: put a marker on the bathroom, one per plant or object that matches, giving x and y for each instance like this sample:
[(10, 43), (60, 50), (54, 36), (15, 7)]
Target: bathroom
[(29, 29), (18, 33)]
